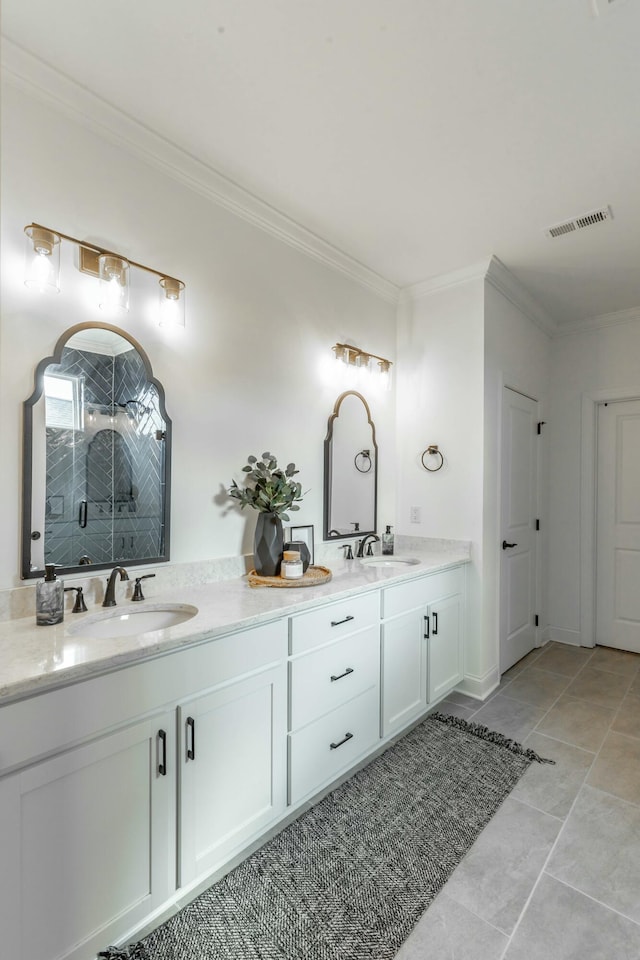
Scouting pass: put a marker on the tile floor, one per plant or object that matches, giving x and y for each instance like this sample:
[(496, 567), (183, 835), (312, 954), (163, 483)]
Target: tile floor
[(556, 874)]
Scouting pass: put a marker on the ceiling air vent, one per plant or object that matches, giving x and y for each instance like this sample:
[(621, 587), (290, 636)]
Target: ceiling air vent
[(579, 223)]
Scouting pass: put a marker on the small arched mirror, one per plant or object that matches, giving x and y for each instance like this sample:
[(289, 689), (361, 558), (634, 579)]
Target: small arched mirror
[(96, 456), (350, 469)]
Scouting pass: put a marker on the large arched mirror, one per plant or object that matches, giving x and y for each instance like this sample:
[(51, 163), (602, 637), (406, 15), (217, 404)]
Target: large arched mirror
[(350, 469), (96, 456)]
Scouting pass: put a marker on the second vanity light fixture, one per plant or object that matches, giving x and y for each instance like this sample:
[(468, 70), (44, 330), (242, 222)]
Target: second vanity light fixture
[(112, 270), (364, 362)]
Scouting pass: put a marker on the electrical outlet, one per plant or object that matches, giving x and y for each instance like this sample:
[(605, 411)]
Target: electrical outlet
[(414, 515)]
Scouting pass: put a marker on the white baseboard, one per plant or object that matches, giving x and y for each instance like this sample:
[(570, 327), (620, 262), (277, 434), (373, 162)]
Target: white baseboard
[(480, 687), (572, 637)]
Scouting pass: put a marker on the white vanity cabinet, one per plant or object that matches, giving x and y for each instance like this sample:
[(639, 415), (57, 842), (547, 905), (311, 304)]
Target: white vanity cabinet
[(87, 839), (422, 645), (232, 768), (334, 691), (97, 792)]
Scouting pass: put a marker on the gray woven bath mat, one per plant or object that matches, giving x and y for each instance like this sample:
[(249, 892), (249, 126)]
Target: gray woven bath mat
[(349, 879)]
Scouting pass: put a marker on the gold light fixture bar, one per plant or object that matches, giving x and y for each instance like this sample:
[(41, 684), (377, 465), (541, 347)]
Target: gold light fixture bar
[(89, 253), (350, 354)]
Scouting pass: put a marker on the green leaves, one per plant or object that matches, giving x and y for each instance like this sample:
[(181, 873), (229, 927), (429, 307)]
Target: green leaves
[(273, 490)]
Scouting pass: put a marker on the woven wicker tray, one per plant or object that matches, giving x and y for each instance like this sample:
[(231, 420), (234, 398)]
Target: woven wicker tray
[(312, 577)]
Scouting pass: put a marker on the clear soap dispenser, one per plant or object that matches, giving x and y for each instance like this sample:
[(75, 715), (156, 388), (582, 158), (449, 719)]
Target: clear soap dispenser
[(387, 542), (49, 598)]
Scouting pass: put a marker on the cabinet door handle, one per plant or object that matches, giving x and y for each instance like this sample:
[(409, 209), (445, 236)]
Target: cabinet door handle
[(426, 626), (435, 624), (334, 746), (336, 623), (162, 763), (191, 738), (341, 675)]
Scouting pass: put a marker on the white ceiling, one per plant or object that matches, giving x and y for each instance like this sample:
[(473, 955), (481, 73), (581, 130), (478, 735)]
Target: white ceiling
[(417, 136)]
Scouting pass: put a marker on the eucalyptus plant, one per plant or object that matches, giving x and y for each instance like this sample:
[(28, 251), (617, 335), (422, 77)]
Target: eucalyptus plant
[(273, 491)]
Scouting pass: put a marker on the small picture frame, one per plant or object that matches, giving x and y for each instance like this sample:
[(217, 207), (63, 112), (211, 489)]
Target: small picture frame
[(306, 535)]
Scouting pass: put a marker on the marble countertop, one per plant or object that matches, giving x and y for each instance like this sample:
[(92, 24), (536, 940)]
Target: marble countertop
[(35, 659)]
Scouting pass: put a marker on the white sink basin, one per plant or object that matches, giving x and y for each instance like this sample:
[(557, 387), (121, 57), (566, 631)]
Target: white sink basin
[(389, 561), (127, 623)]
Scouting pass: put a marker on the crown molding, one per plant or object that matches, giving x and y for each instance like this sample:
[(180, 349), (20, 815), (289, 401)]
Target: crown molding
[(492, 271), (477, 271), (502, 280), (599, 323), (37, 79)]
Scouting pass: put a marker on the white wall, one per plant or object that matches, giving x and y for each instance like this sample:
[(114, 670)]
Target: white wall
[(598, 361), (439, 401), (249, 371)]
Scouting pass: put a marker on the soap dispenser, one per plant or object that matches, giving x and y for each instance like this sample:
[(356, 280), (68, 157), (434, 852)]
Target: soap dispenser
[(387, 542), (49, 598)]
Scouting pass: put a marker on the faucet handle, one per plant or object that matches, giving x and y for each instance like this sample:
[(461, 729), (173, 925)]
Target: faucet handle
[(348, 552), (137, 589), (79, 606)]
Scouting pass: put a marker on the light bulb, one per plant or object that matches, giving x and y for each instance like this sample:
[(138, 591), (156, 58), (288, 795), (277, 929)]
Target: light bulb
[(42, 263), (114, 284), (385, 374), (171, 303)]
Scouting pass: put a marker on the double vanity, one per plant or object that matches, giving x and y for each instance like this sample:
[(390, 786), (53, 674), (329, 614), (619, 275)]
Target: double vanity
[(146, 748)]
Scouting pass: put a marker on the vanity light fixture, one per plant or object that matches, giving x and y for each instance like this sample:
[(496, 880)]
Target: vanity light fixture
[(364, 362), (112, 270)]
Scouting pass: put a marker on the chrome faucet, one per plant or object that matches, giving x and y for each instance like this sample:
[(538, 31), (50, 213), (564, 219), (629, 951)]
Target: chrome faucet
[(110, 593), (371, 538)]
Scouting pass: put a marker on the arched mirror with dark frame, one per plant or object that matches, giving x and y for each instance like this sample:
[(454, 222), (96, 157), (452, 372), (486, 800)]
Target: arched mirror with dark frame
[(96, 457), (350, 469)]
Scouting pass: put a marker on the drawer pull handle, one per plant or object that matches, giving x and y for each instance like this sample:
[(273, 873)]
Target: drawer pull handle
[(191, 727), (162, 764), (435, 624), (426, 627), (341, 675), (336, 623), (347, 736)]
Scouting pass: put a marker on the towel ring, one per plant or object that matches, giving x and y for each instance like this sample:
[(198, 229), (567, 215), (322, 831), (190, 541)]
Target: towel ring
[(432, 450), (366, 461)]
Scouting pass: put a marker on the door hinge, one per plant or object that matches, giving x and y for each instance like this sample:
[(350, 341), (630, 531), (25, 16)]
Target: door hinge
[(536, 620), (537, 524), (541, 424)]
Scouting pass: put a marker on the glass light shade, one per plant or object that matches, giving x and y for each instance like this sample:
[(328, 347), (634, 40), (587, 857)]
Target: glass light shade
[(42, 261), (341, 352), (114, 284), (385, 374), (171, 303)]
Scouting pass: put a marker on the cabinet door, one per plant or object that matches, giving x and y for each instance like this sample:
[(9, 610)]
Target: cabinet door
[(404, 670), (232, 769), (445, 646), (87, 840)]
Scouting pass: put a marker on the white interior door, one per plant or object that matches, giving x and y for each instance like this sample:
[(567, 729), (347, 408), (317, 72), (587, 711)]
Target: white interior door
[(518, 546), (618, 526)]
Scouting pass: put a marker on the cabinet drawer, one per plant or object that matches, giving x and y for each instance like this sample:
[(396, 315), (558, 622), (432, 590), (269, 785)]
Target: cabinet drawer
[(314, 762), (309, 630), (417, 593), (326, 678)]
